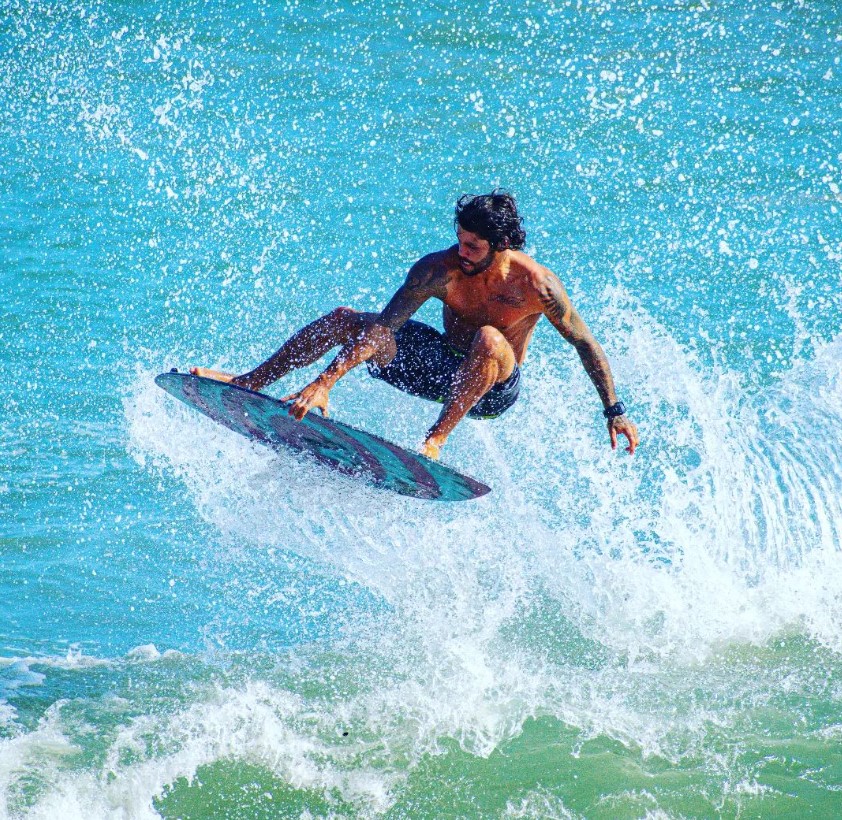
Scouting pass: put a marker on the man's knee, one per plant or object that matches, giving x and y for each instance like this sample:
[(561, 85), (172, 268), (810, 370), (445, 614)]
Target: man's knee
[(348, 323), (342, 315), (490, 344), (384, 341)]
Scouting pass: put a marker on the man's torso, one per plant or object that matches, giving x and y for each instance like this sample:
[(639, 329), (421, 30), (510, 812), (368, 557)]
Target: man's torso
[(508, 300)]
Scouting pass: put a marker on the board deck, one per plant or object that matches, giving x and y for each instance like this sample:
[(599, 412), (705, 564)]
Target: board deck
[(338, 446)]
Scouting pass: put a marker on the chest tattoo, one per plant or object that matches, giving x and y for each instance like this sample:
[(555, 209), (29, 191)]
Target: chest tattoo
[(513, 299)]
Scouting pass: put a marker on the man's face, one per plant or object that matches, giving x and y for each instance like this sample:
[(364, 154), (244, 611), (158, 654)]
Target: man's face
[(475, 253)]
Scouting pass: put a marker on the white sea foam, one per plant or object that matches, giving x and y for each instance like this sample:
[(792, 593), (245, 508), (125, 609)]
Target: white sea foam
[(45, 747), (8, 714), (695, 542), (149, 652), (722, 530), (540, 805), (74, 659), (257, 724)]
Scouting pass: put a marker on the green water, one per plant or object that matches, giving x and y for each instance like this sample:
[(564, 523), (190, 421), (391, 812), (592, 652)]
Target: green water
[(193, 626)]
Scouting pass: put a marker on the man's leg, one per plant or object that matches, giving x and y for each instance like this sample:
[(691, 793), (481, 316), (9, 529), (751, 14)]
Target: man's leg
[(339, 327), (369, 342), (489, 361)]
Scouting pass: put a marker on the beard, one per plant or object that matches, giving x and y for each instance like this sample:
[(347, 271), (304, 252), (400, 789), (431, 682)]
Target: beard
[(474, 268)]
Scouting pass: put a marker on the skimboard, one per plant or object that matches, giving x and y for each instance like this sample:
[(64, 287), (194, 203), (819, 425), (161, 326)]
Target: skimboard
[(337, 446)]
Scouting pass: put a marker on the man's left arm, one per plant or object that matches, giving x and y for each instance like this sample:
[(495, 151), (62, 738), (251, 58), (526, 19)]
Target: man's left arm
[(558, 308)]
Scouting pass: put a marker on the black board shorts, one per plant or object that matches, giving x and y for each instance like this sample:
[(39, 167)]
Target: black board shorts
[(425, 365)]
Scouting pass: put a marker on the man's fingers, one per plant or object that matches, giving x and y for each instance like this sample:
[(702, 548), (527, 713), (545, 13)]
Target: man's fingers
[(294, 408), (305, 400), (630, 432), (300, 407), (626, 428)]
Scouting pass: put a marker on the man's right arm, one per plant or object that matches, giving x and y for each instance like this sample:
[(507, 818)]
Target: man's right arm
[(427, 278)]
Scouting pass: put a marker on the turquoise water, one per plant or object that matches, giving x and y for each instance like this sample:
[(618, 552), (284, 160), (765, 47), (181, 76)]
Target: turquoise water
[(192, 626)]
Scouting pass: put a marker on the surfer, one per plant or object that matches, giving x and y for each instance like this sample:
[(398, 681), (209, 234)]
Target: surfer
[(493, 296)]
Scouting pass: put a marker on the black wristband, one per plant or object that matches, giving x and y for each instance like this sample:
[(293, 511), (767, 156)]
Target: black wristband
[(614, 410)]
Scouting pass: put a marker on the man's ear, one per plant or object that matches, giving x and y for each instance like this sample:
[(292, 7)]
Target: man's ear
[(503, 245)]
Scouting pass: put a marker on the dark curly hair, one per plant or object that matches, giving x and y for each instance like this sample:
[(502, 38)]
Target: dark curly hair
[(493, 217)]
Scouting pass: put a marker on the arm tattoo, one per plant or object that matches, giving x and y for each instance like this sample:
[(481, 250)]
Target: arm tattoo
[(557, 307), (559, 310), (427, 278)]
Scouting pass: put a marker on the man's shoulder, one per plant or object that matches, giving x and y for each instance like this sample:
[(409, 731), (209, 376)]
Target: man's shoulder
[(434, 270), (532, 273)]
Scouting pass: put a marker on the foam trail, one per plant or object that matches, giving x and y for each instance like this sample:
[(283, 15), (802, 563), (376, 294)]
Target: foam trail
[(690, 535), (648, 563), (264, 726)]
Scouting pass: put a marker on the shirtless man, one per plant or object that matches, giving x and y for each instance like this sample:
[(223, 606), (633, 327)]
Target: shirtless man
[(493, 295)]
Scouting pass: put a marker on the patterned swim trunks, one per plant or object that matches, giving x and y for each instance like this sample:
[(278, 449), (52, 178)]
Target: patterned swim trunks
[(425, 365)]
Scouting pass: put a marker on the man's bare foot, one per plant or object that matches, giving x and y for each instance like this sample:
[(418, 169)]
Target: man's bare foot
[(432, 448), (207, 373)]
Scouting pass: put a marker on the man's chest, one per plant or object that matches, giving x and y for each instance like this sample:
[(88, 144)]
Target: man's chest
[(500, 305)]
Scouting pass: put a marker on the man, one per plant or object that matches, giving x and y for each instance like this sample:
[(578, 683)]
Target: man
[(493, 296)]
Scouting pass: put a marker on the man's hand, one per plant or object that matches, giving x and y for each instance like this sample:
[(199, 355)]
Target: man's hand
[(313, 395), (622, 425)]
